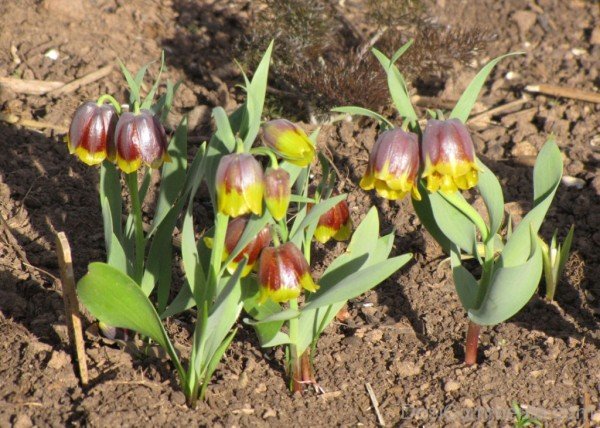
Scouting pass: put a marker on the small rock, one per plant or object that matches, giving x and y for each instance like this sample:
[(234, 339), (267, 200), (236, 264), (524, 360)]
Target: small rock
[(58, 360), (595, 417), (66, 9), (269, 413), (536, 373), (570, 181), (524, 19), (261, 388), (22, 421), (524, 148), (467, 402), (595, 37), (374, 336), (451, 386), (408, 369)]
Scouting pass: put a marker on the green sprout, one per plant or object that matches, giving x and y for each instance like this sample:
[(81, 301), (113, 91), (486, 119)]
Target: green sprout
[(522, 419), (555, 257)]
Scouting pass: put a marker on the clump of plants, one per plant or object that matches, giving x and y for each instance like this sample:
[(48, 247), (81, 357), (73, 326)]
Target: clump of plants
[(435, 165), (323, 56), (255, 256)]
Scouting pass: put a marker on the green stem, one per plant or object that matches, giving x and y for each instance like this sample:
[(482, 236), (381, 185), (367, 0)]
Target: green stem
[(136, 107), (294, 363), (110, 99), (136, 212), (283, 230), (464, 207)]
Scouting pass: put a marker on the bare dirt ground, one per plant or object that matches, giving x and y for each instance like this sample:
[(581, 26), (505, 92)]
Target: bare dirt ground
[(405, 338)]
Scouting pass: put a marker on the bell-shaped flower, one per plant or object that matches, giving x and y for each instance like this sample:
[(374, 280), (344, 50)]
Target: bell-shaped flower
[(282, 273), (393, 165), (140, 138), (235, 229), (335, 223), (289, 141), (449, 156), (91, 134), (277, 192), (240, 185)]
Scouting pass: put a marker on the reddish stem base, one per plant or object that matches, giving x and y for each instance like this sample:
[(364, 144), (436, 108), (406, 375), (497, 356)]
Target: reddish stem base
[(472, 342), (302, 373)]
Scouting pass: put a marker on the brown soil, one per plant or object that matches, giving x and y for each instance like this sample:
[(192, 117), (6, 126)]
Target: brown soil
[(404, 339)]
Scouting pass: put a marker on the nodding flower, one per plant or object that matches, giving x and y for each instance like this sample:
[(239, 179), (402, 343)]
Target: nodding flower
[(449, 156), (393, 165), (282, 273), (91, 134), (140, 139), (240, 185), (335, 223)]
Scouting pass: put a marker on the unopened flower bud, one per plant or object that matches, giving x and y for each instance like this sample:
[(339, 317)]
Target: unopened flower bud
[(277, 192), (289, 141)]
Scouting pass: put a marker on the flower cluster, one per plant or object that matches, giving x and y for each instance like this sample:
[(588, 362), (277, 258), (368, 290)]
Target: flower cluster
[(447, 155), (98, 132)]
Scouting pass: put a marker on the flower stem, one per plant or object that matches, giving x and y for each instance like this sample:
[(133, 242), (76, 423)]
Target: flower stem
[(136, 211), (295, 369), (472, 342), (110, 99)]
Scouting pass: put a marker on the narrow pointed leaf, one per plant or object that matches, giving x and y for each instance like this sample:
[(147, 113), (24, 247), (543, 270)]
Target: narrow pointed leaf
[(465, 104)]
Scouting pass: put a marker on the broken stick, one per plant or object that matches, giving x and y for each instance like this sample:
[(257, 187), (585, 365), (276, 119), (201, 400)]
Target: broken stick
[(562, 91), (82, 81), (65, 262)]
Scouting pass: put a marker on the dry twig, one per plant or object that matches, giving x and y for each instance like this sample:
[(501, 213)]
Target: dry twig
[(375, 404), (82, 81), (564, 92), (73, 317), (30, 87)]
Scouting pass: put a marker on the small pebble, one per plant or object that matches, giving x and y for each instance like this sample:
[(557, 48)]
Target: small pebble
[(575, 182), (451, 386), (52, 54)]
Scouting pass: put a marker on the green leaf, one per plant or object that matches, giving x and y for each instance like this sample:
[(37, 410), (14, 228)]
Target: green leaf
[(283, 315), (424, 210), (134, 88), (565, 249), (224, 132), (110, 188), (467, 100), (173, 173), (191, 260), (312, 322), (396, 83), (360, 111), (357, 283), (510, 288), (214, 361), (116, 299), (466, 285), (491, 192), (150, 97), (183, 301), (256, 97), (547, 175), (223, 315), (453, 223), (116, 255)]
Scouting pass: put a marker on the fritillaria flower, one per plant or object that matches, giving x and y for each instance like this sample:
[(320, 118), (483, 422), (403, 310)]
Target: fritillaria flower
[(140, 139), (282, 273), (92, 131), (449, 156), (240, 185), (277, 192), (335, 223), (235, 229), (393, 165), (289, 141)]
